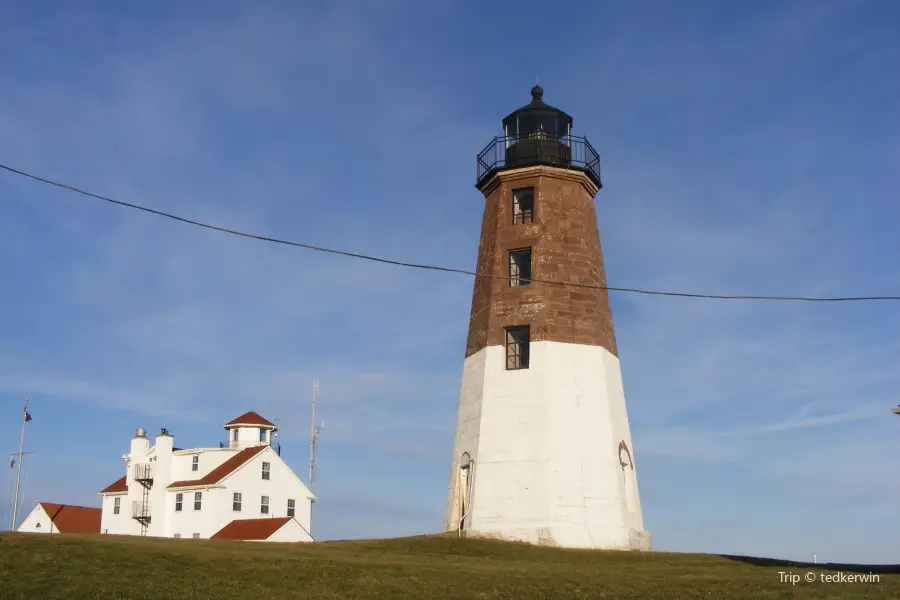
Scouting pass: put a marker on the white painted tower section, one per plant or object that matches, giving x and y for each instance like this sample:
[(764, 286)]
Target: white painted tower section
[(545, 443)]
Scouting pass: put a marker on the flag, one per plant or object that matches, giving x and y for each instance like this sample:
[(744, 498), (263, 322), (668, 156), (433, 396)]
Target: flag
[(27, 416)]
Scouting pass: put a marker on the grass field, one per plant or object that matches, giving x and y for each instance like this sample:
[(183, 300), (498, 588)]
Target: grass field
[(434, 567)]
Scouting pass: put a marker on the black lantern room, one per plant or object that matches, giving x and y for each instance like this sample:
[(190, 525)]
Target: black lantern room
[(537, 116), (538, 134)]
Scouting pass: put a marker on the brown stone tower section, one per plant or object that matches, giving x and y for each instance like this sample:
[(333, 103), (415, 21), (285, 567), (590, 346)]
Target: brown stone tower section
[(565, 247)]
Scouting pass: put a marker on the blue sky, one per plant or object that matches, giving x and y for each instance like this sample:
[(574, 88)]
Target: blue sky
[(746, 148)]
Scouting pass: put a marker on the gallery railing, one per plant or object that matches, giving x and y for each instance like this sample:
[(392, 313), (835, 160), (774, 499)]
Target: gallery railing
[(538, 148)]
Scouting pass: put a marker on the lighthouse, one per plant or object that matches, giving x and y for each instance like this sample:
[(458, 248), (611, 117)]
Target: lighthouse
[(543, 450)]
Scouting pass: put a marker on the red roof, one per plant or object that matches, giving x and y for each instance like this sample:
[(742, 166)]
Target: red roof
[(119, 485), (224, 470), (73, 519), (250, 418), (250, 529)]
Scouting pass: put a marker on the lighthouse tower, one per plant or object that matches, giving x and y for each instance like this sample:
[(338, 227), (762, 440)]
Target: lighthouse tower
[(543, 450)]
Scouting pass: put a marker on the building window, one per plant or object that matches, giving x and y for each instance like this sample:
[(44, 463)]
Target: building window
[(262, 434), (177, 536), (519, 267), (236, 502), (265, 470), (291, 506), (264, 505), (517, 347), (523, 206), (179, 499), (195, 463), (196, 536), (117, 505), (198, 500)]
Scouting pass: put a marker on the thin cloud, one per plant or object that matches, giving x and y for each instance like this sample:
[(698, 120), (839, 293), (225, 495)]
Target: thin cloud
[(868, 412)]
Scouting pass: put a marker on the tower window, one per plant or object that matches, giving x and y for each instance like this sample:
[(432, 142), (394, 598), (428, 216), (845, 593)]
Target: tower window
[(195, 463), (519, 267), (518, 340), (262, 434), (523, 206)]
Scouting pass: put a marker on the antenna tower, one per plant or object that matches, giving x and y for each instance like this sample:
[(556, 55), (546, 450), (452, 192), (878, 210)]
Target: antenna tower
[(314, 429)]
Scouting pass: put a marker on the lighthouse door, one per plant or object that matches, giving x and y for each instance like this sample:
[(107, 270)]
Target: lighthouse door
[(463, 495), (463, 489)]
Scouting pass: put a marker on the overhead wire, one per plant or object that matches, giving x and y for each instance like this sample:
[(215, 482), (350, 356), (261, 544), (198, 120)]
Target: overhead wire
[(435, 267)]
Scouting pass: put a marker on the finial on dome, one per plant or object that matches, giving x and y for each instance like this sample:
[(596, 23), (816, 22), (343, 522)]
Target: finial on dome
[(537, 92)]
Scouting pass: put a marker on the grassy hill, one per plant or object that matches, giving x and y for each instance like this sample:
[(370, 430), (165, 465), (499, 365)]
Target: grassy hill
[(432, 567)]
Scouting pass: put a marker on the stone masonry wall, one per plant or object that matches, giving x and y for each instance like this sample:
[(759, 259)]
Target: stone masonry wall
[(565, 244)]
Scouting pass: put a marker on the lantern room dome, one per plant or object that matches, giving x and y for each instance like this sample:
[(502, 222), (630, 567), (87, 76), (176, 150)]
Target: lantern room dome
[(536, 117)]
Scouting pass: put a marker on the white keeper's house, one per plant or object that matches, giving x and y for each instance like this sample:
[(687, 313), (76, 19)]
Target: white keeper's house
[(239, 490)]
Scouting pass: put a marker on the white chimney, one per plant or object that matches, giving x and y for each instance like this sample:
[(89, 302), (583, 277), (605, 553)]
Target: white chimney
[(164, 442), (140, 445)]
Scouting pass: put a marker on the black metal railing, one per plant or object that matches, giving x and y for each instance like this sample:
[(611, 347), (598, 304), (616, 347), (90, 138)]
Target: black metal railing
[(143, 472), (140, 510), (539, 148), (276, 446)]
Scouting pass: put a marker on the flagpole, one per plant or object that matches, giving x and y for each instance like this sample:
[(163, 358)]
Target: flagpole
[(19, 470)]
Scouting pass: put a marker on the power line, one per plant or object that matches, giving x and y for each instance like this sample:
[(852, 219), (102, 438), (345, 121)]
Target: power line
[(433, 267)]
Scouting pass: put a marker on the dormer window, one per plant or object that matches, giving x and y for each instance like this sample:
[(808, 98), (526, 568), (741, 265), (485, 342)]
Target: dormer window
[(195, 462)]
